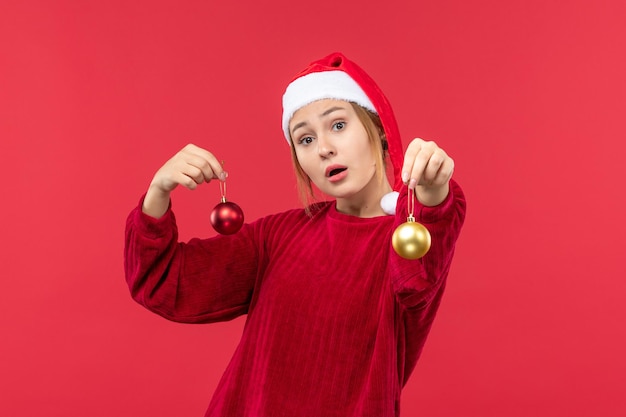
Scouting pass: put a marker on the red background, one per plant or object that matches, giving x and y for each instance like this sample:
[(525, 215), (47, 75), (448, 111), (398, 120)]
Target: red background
[(527, 96)]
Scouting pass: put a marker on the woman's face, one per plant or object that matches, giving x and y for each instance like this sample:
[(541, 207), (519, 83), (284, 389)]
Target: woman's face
[(333, 149)]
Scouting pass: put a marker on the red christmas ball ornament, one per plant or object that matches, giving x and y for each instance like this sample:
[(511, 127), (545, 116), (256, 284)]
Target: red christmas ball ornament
[(227, 217)]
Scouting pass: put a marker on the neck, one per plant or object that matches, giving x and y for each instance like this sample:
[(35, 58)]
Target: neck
[(365, 204)]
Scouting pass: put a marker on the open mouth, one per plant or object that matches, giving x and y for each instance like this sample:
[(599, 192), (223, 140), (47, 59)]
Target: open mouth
[(335, 171)]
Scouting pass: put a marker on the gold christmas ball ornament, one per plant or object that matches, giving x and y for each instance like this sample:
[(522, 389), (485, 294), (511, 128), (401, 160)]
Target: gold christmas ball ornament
[(411, 240)]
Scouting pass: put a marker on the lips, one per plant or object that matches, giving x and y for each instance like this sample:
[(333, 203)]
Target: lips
[(333, 170), (336, 173)]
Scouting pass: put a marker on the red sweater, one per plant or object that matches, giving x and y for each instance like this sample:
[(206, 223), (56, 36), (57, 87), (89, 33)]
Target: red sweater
[(336, 319)]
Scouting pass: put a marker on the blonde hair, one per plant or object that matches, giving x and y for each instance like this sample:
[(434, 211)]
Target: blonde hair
[(378, 141)]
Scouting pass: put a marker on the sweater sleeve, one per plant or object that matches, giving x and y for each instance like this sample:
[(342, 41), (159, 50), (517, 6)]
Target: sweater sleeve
[(201, 281), (417, 282)]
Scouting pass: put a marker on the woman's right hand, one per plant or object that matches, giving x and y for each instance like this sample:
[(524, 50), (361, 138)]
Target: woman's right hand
[(190, 167)]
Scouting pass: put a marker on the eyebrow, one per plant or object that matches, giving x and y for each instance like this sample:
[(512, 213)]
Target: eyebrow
[(325, 113)]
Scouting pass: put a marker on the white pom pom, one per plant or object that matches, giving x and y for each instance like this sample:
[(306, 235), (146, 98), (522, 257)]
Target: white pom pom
[(389, 201)]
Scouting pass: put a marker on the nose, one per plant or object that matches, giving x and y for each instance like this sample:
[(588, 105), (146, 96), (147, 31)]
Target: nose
[(325, 147)]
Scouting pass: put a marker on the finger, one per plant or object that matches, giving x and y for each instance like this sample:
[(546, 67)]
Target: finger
[(198, 167), (419, 166), (185, 180), (207, 162), (433, 167), (409, 158), (445, 172), (194, 173)]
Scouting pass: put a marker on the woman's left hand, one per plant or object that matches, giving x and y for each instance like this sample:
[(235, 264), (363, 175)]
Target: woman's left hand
[(427, 169)]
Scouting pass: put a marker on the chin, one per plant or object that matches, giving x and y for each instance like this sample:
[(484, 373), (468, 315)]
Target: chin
[(339, 194)]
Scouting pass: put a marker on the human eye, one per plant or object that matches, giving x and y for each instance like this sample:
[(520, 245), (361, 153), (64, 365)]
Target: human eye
[(339, 126), (305, 140)]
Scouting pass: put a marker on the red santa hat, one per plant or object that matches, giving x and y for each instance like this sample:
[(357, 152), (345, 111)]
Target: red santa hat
[(336, 77)]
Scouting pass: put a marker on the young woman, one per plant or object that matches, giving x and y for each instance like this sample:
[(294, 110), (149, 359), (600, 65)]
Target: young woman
[(336, 320)]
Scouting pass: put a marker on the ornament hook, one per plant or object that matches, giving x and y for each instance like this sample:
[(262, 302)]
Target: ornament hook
[(410, 205)]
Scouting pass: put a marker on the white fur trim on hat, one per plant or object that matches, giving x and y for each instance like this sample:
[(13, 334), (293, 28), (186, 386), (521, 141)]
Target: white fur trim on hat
[(318, 86), (389, 202)]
